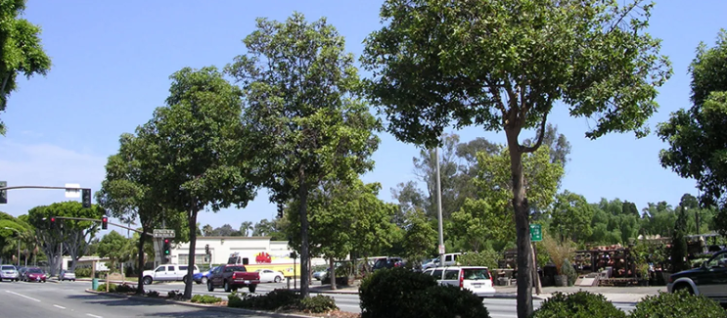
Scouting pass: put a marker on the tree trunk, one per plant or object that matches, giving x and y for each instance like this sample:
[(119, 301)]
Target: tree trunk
[(524, 262), (191, 258), (302, 212), (332, 270), (140, 250)]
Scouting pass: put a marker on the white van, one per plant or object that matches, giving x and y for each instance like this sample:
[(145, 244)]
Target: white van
[(476, 279)]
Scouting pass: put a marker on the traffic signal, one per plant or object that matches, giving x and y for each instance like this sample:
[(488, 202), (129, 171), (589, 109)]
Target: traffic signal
[(53, 223), (166, 248), (86, 198), (3, 193), (104, 223)]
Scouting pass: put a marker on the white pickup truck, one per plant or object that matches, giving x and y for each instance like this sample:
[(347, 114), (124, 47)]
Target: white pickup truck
[(168, 272)]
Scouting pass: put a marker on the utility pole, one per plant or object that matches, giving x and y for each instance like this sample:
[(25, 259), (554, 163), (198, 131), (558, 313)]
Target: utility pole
[(441, 247)]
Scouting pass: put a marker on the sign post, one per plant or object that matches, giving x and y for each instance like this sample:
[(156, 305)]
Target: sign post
[(536, 236)]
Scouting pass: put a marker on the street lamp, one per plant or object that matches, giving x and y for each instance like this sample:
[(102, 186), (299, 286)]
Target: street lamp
[(16, 231)]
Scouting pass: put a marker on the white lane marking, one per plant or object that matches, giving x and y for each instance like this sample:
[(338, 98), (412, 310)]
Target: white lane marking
[(14, 293), (90, 315), (57, 306)]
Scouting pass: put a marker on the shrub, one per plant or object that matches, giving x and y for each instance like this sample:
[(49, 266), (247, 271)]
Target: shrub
[(175, 295), (450, 301), (82, 272), (578, 305), (393, 292), (318, 304), (102, 287), (234, 300), (568, 270), (124, 288), (679, 304), (274, 300), (558, 251), (153, 294), (205, 299)]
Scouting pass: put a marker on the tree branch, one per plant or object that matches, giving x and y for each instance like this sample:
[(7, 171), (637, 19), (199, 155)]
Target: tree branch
[(624, 15), (541, 134), (495, 91)]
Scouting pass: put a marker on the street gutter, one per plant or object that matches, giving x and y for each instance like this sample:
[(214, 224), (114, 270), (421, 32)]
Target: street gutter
[(191, 304)]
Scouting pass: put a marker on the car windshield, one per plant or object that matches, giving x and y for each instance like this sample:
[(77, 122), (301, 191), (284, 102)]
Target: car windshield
[(35, 271), (8, 267), (475, 273)]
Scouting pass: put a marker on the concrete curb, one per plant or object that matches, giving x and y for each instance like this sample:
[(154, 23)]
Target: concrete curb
[(205, 306), (496, 295)]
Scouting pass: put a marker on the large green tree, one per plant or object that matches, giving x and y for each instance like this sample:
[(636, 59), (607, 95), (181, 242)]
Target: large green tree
[(503, 65), (197, 150), (115, 247), (21, 51), (302, 110), (697, 136), (571, 217), (74, 234)]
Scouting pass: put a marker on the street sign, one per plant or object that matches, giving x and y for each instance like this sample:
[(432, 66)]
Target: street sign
[(73, 193), (441, 249), (536, 233), (162, 233)]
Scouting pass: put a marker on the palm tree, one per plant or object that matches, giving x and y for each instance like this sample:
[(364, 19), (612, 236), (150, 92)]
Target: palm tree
[(245, 227)]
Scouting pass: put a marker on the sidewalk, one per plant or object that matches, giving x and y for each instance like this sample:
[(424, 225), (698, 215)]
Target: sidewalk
[(613, 294)]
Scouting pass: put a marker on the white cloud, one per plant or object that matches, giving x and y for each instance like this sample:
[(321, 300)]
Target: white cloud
[(44, 164)]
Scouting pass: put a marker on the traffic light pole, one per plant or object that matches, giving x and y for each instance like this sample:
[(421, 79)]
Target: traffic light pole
[(97, 220), (86, 192)]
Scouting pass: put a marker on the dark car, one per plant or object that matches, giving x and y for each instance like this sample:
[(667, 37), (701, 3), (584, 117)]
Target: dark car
[(34, 274), (708, 280), (388, 262), (232, 277)]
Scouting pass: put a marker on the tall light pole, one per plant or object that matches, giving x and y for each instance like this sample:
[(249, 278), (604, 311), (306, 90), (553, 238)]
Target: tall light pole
[(441, 246), (16, 231)]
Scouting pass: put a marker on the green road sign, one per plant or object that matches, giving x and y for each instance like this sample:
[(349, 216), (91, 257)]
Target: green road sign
[(536, 233)]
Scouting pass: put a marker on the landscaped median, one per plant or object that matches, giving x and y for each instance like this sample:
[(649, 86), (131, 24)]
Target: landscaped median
[(278, 303)]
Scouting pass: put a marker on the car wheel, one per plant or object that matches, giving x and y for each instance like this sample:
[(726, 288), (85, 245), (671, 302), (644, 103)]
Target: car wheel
[(209, 286), (277, 279), (226, 287), (251, 288), (203, 280), (184, 279), (147, 280)]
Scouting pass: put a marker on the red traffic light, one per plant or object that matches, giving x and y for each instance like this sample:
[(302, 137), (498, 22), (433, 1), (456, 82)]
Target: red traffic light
[(166, 241), (53, 219), (104, 219)]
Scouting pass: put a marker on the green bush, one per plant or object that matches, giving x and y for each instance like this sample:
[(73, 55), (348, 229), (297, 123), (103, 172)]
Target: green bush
[(205, 299), (393, 293), (153, 294), (318, 304), (568, 270), (82, 272), (102, 287), (677, 305), (124, 288), (175, 295), (278, 298), (449, 302), (578, 305)]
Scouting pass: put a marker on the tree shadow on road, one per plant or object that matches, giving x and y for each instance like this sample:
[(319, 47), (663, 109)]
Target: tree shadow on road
[(113, 301)]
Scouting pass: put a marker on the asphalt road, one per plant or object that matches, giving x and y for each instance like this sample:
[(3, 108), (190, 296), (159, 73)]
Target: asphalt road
[(68, 300), (41, 300)]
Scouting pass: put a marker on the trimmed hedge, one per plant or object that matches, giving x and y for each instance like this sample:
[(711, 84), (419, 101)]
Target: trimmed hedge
[(578, 305), (677, 305)]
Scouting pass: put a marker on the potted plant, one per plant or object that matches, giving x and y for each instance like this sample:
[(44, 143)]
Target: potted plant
[(560, 253), (643, 273)]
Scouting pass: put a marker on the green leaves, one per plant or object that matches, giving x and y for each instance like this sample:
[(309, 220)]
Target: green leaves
[(500, 63), (20, 50)]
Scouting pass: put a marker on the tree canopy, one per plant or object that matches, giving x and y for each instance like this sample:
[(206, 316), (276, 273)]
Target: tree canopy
[(697, 136), (21, 51)]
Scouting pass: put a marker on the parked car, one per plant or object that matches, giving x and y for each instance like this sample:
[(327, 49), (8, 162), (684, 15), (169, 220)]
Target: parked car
[(431, 263), (9, 272), (387, 262), (269, 275), (477, 279), (232, 277), (34, 274), (708, 280), (320, 274), (202, 277), (168, 272), (67, 275)]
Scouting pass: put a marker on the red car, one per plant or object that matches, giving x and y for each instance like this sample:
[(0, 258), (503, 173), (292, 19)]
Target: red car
[(34, 274)]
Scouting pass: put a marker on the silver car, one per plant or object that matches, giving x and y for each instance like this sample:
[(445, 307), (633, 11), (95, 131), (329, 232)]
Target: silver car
[(8, 272), (67, 275)]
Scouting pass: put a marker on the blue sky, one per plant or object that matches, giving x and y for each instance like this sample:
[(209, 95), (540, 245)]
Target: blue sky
[(111, 67)]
